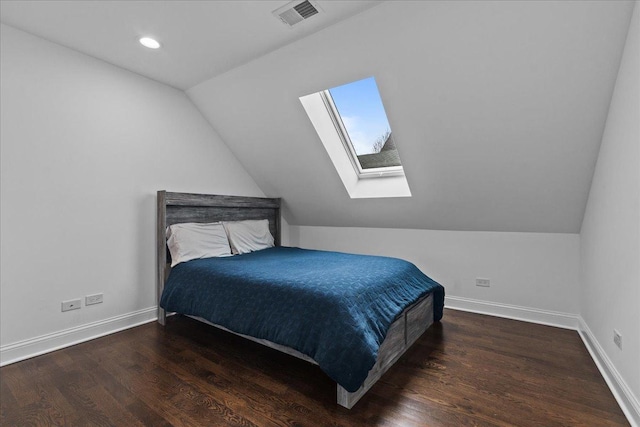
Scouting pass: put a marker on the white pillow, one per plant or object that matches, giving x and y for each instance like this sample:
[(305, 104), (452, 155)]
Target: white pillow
[(248, 236), (192, 240)]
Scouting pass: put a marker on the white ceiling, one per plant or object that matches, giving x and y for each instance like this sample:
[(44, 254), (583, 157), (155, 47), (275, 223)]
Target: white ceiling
[(200, 39), (497, 109)]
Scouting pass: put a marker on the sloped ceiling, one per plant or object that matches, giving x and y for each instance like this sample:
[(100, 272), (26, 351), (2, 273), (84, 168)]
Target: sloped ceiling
[(497, 108), (200, 39)]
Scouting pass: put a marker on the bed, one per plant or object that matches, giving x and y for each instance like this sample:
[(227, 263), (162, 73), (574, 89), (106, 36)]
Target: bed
[(260, 295)]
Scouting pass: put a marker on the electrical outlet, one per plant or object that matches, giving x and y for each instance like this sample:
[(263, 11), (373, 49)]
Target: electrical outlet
[(485, 283), (74, 304), (93, 299), (617, 339)]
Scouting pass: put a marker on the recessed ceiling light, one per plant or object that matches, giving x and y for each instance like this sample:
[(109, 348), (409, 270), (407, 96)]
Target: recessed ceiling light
[(149, 42)]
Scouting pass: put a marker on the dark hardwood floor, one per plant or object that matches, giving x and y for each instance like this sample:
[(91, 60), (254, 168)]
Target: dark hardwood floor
[(469, 370)]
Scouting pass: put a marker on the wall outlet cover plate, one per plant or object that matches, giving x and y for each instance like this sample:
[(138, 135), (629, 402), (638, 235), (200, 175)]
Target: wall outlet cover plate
[(74, 304)]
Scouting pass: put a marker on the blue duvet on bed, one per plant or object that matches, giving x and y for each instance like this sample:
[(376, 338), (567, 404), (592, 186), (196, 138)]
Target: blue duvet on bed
[(334, 307)]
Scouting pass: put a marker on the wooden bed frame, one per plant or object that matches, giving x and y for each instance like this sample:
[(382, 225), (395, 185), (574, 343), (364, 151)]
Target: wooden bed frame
[(176, 208)]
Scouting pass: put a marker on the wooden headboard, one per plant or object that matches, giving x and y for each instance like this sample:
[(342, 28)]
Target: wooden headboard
[(174, 208)]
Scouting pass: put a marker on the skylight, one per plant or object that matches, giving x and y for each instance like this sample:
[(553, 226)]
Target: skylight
[(353, 127), (358, 114)]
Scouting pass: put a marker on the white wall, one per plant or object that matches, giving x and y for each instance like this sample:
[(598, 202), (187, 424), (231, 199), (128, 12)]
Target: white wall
[(610, 235), (84, 147), (529, 270)]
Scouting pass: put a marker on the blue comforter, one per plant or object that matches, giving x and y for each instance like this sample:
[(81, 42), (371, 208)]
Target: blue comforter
[(331, 306)]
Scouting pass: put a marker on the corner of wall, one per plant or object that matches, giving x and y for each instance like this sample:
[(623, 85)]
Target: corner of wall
[(610, 238), (621, 391)]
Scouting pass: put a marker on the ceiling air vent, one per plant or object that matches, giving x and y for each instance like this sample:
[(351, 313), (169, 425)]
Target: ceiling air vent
[(296, 11)]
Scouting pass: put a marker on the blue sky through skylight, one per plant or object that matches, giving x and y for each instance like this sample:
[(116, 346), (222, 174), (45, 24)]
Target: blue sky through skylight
[(360, 107)]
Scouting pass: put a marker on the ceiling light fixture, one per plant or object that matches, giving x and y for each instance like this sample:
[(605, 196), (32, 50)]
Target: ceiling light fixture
[(149, 42)]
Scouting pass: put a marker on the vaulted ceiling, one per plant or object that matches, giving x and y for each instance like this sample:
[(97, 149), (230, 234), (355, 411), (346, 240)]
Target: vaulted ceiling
[(497, 108)]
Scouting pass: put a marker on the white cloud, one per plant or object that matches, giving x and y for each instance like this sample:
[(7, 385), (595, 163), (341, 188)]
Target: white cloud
[(359, 138)]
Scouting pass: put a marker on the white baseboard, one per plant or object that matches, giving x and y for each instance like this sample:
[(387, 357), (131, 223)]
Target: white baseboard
[(624, 396), (26, 349), (626, 399), (515, 312)]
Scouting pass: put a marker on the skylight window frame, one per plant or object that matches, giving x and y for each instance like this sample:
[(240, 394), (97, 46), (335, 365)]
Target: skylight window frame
[(348, 145)]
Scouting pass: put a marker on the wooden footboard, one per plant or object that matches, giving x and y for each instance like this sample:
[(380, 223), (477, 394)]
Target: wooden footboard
[(403, 332)]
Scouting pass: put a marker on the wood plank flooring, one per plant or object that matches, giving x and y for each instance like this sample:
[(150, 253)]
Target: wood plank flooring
[(469, 370)]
